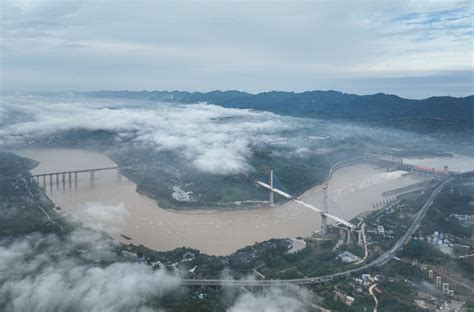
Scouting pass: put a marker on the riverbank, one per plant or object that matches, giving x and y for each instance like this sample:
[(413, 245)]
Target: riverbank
[(114, 206)]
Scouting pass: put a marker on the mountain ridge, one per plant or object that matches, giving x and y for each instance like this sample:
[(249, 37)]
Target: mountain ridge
[(325, 104)]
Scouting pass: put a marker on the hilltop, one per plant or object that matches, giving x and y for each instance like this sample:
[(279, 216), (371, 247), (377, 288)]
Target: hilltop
[(319, 104)]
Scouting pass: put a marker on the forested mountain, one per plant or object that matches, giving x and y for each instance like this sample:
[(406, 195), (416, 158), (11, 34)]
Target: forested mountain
[(323, 104)]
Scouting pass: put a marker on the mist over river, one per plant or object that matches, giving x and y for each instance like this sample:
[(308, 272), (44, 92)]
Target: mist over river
[(113, 205)]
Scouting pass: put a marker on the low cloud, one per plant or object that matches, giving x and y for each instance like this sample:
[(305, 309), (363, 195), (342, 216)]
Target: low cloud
[(213, 139), (208, 138), (276, 298), (46, 273), (100, 216), (82, 272), (287, 298)]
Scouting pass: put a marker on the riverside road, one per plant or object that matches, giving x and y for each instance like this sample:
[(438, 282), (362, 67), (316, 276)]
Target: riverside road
[(384, 258)]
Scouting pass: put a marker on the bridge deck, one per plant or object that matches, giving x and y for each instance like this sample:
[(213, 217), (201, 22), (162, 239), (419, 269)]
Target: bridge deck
[(74, 171)]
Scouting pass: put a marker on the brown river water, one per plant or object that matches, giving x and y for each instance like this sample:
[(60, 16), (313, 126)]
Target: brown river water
[(113, 205)]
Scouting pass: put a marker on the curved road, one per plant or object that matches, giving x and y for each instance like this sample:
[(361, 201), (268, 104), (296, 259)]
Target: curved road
[(384, 258), (371, 292)]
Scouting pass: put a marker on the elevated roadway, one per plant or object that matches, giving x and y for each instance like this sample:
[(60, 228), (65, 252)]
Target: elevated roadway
[(381, 260)]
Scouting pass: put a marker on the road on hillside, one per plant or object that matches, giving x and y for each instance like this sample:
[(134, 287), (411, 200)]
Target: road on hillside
[(384, 258)]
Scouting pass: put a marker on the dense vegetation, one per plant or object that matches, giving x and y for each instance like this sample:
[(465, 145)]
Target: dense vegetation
[(458, 198), (322, 104), (157, 179), (22, 203), (21, 216)]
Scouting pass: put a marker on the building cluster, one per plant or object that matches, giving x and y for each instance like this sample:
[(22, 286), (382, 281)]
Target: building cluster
[(380, 230), (440, 239), (179, 263), (448, 243), (343, 297), (187, 257), (348, 257), (357, 286), (367, 280), (462, 217)]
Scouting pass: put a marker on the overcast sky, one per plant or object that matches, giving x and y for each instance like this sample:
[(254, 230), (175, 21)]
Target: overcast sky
[(413, 49)]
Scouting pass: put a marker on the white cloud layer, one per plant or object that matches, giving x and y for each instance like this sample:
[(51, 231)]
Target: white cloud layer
[(211, 138), (208, 138), (100, 216), (37, 274), (44, 273), (287, 298)]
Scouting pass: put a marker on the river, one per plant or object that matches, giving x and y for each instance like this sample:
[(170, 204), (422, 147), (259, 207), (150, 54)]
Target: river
[(113, 205)]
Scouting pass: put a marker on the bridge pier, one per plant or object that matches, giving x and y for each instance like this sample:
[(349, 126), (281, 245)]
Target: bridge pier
[(75, 180), (67, 175), (387, 161)]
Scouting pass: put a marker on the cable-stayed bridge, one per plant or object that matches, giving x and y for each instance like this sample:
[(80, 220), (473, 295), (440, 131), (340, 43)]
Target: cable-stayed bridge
[(72, 176), (376, 159), (323, 211), (389, 162)]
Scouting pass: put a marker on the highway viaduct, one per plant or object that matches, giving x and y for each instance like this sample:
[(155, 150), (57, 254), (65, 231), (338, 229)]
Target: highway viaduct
[(381, 260), (388, 162)]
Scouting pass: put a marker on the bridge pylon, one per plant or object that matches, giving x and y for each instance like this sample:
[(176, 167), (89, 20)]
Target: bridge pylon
[(325, 209), (271, 199)]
